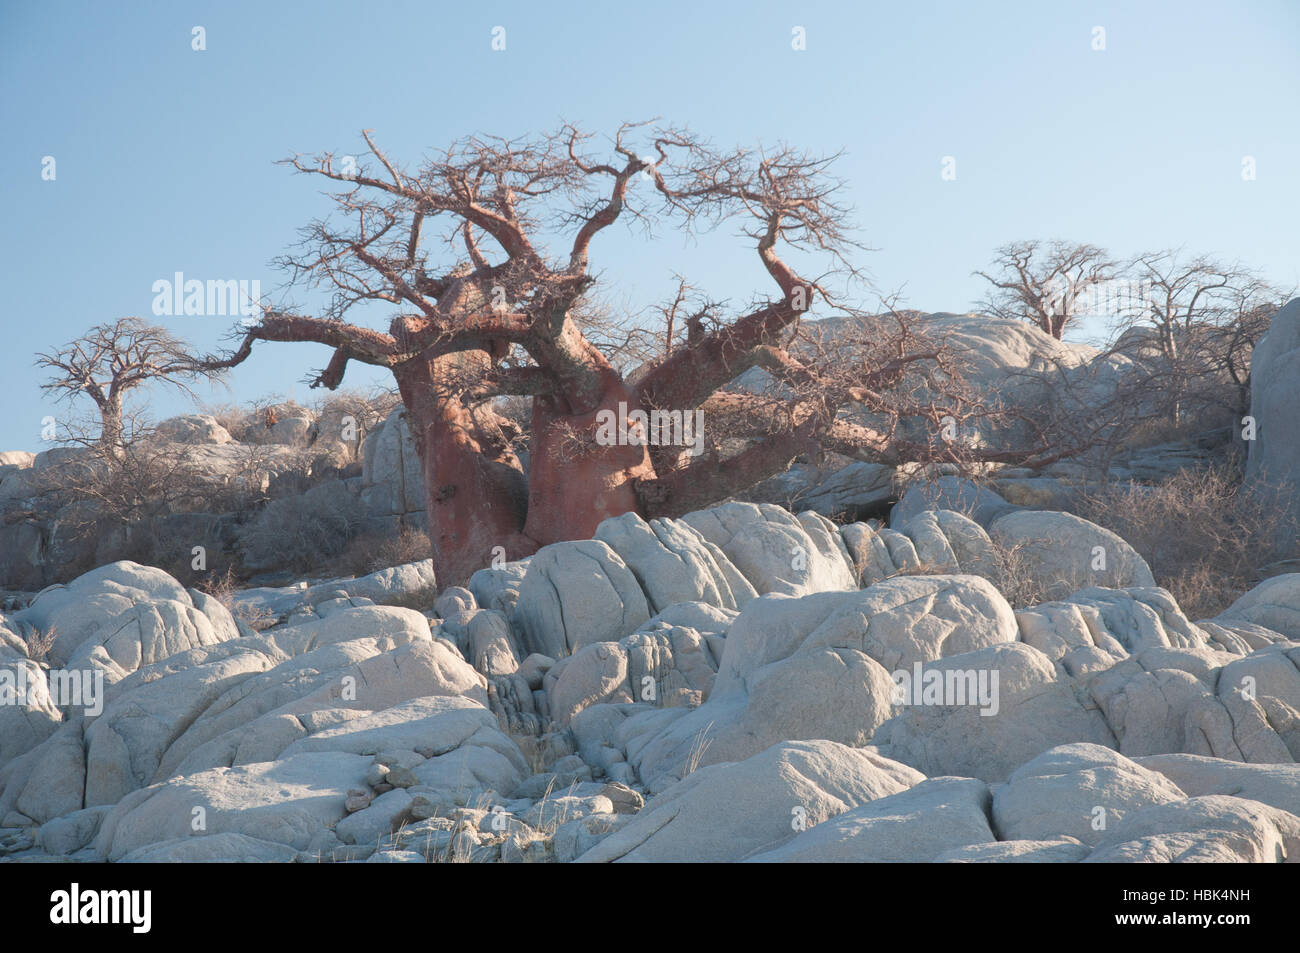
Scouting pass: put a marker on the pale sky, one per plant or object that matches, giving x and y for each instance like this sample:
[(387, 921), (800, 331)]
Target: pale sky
[(163, 153)]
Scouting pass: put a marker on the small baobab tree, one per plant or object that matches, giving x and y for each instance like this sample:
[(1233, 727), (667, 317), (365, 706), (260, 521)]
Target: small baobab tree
[(110, 361), (1044, 283), (1205, 316)]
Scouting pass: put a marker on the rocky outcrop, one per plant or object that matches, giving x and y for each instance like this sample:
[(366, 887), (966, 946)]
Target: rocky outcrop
[(742, 684), (392, 484), (1274, 455)]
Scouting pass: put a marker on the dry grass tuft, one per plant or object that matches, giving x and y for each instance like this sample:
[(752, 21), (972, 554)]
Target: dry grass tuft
[(1207, 537)]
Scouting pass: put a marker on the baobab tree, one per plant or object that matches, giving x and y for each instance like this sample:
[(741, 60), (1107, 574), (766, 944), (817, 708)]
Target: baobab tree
[(1187, 298), (1044, 284), (483, 255), (1205, 316), (110, 361)]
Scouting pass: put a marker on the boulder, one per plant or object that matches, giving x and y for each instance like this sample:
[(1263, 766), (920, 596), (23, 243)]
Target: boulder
[(976, 502), (857, 488), (574, 594), (1274, 455), (1078, 791), (224, 848), (391, 477), (193, 428), (381, 818), (665, 665), (1158, 709), (1210, 829), (19, 459), (261, 717), (775, 551), (71, 832), (1064, 851), (291, 430), (499, 588), (103, 602), (725, 812), (290, 802), (28, 713), (915, 826), (1141, 618), (674, 563), (411, 585), (898, 622), (1062, 553), (932, 541), (822, 666), (1277, 785), (1274, 604), (1262, 694), (1034, 708)]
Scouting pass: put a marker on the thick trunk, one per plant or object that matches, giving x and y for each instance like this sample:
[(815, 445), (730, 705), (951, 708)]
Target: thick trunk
[(576, 480), (474, 484), (479, 505), (111, 437)]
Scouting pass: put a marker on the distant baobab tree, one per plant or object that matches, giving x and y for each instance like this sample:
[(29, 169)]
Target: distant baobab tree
[(1044, 283), (111, 360)]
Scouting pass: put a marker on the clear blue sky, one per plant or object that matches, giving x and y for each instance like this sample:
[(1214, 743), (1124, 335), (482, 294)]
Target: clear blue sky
[(164, 154)]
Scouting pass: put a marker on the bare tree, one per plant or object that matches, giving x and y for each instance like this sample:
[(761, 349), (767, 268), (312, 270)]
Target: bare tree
[(1230, 344), (111, 360), (1181, 296), (1044, 283), (502, 315), (1206, 316)]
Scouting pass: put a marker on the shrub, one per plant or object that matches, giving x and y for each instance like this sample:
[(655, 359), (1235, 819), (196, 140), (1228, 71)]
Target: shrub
[(302, 532), (39, 644), (1207, 537), (370, 552), (223, 586), (1017, 577)]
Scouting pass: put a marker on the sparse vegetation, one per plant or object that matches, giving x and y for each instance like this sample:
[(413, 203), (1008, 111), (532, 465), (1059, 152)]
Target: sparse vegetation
[(39, 643), (370, 552), (298, 532), (1207, 537), (223, 586)]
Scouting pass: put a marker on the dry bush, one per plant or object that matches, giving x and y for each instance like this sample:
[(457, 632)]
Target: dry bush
[(39, 644), (114, 505), (139, 481), (223, 586), (367, 410), (1018, 578), (371, 552), (1207, 538), (300, 532)]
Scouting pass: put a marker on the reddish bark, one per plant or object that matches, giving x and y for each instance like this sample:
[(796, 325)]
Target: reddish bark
[(574, 483), (474, 487)]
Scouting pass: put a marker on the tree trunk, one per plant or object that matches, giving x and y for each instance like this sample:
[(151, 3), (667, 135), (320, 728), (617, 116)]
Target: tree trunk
[(574, 482), (111, 437), (479, 505), (473, 482)]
